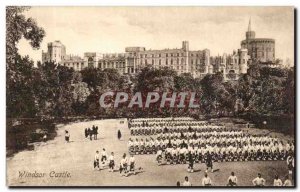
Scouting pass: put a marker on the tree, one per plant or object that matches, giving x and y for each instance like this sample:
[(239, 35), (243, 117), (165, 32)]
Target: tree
[(17, 27), (19, 70)]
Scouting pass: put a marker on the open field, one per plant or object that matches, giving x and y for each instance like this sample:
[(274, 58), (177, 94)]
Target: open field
[(77, 157)]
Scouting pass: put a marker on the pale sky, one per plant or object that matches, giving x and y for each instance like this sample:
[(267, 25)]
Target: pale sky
[(111, 29)]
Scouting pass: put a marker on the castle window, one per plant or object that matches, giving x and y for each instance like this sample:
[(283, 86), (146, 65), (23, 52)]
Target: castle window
[(171, 61), (159, 62), (152, 61), (166, 61), (166, 54)]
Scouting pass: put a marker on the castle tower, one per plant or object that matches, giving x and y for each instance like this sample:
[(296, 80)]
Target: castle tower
[(243, 60), (250, 34), (185, 45)]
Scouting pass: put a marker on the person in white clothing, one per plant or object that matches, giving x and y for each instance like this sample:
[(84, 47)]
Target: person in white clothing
[(96, 160), (287, 181), (232, 180), (132, 164), (123, 165), (277, 181), (103, 156), (206, 181), (186, 182), (259, 181), (111, 162)]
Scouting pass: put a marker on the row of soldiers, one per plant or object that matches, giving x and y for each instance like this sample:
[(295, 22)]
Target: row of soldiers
[(183, 155), (227, 151), (174, 129)]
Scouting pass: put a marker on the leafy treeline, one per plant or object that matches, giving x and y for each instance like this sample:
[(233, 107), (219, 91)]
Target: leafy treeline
[(50, 90)]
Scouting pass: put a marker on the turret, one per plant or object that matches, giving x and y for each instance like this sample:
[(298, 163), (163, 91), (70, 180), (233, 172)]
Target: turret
[(243, 60), (185, 45)]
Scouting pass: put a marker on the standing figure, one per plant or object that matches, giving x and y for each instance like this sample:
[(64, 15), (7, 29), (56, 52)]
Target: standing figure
[(93, 130), (209, 163), (119, 134), (67, 136), (103, 156), (90, 133), (132, 164), (45, 137), (96, 133), (96, 160), (111, 162), (123, 166), (86, 133), (290, 164), (191, 163)]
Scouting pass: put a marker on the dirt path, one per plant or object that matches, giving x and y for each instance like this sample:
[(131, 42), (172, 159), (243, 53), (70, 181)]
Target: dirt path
[(76, 158)]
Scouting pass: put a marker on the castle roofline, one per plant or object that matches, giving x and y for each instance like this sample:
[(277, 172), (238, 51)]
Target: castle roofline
[(258, 39)]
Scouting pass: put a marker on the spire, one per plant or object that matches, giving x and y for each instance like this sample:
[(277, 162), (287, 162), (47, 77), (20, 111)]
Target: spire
[(249, 26)]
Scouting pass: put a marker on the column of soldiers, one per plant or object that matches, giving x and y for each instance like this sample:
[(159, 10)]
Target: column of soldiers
[(189, 140)]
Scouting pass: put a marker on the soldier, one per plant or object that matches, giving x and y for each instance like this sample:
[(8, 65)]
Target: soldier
[(191, 162), (209, 163), (123, 165), (277, 181), (206, 181), (259, 181), (96, 160), (186, 182), (132, 164), (111, 162), (103, 156), (232, 180)]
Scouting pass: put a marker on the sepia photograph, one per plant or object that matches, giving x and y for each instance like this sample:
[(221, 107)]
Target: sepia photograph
[(161, 96)]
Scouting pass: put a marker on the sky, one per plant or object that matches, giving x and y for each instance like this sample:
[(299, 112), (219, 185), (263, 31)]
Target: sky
[(111, 29)]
